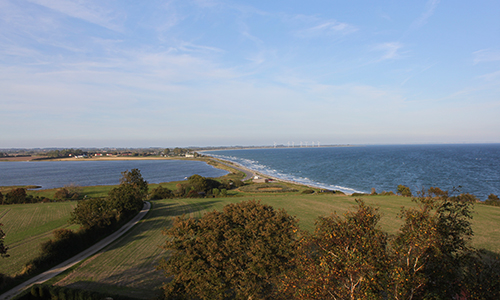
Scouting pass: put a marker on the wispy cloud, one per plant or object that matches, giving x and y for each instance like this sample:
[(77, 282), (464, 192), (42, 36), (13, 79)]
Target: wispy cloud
[(486, 55), (430, 8), (90, 11), (390, 50), (330, 27)]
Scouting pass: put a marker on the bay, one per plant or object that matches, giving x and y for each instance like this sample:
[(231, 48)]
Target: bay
[(54, 174), (471, 168)]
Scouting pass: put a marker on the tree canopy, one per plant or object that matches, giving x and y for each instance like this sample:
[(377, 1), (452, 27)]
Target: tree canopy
[(238, 252)]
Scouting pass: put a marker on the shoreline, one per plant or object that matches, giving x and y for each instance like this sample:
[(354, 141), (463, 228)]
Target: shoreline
[(205, 158), (260, 174)]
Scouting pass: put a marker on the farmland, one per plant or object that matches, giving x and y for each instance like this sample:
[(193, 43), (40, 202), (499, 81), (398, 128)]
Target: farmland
[(26, 226), (127, 266)]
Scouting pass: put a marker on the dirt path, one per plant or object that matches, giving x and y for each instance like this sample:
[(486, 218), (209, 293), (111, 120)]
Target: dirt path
[(77, 258)]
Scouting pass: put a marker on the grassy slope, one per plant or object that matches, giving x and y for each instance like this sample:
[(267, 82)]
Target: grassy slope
[(127, 266), (26, 226)]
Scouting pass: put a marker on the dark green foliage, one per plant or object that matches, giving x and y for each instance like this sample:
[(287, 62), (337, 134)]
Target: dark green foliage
[(308, 191), (404, 191), (3, 248), (72, 192), (237, 253), (160, 193), (135, 180), (15, 196), (125, 200), (1, 198), (95, 212)]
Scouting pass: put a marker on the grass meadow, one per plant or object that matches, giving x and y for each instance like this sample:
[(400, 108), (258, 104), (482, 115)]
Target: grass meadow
[(128, 265), (26, 226)]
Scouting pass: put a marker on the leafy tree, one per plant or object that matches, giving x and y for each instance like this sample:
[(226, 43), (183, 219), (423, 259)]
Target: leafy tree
[(343, 259), (1, 198), (492, 200), (160, 193), (432, 247), (90, 213), (134, 178), (125, 200), (237, 253), (3, 248), (404, 191), (15, 196)]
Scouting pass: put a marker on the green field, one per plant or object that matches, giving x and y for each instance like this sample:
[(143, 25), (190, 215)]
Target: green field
[(26, 226), (127, 266)]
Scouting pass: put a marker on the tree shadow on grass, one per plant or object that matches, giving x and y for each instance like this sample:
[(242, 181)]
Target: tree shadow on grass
[(159, 218)]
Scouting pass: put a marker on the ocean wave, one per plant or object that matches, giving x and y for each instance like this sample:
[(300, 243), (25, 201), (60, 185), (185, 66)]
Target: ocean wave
[(256, 166)]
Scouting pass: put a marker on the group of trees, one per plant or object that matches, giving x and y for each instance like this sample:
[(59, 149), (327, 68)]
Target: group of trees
[(97, 218), (251, 251), (19, 196), (121, 202), (195, 187)]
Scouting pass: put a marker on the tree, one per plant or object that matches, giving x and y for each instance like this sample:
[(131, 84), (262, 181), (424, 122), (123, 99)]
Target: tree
[(161, 193), (492, 200), (343, 259), (404, 191), (134, 178), (432, 248), (90, 213), (125, 200), (3, 248), (15, 196), (237, 253)]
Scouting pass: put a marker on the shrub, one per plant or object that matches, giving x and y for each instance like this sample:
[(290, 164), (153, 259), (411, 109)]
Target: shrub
[(161, 193), (404, 191), (308, 191)]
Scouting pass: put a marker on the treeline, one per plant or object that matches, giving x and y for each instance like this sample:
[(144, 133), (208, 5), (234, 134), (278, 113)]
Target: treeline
[(196, 187), (19, 196), (97, 217), (252, 251)]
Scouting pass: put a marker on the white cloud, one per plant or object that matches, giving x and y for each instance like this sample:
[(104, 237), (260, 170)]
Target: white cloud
[(91, 11), (486, 55), (330, 27), (430, 8), (390, 50)]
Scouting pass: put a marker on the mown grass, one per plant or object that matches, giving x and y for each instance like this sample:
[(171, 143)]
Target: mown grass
[(26, 226), (127, 266)]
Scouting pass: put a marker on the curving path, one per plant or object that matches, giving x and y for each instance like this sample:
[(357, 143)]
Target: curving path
[(77, 258)]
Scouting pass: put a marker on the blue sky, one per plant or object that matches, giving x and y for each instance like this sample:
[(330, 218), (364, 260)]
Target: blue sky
[(208, 73)]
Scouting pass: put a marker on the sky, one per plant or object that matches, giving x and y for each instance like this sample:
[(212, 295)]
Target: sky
[(122, 73)]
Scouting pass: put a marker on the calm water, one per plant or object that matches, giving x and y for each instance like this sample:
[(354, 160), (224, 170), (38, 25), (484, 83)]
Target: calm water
[(476, 168), (52, 174)]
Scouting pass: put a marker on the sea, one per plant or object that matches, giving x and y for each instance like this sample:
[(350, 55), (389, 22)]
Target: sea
[(54, 174), (464, 168)]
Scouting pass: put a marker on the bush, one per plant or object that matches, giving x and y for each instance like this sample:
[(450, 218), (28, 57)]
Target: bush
[(492, 200), (404, 191), (308, 191), (161, 193)]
